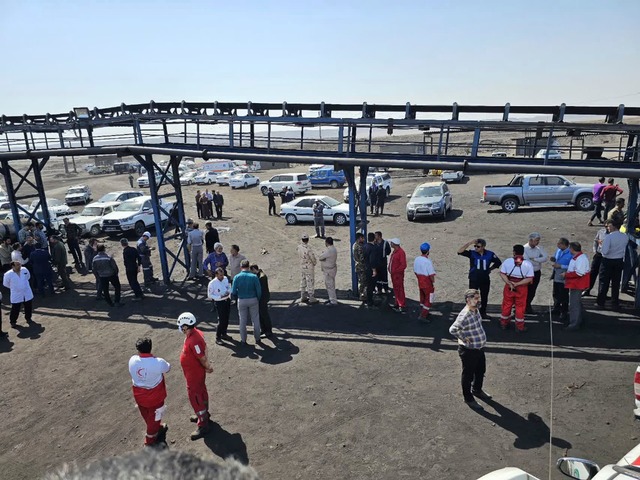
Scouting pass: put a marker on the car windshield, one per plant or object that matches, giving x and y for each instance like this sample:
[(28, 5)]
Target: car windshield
[(129, 207), (430, 191), (75, 190), (331, 202), (109, 197), (92, 212)]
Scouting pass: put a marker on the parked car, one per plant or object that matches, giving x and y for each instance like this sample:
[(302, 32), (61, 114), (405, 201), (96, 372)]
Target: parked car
[(90, 218), (223, 178), (5, 211), (553, 154), (243, 180), (124, 167), (326, 176), (120, 196), (78, 194), (143, 181), (301, 210), (539, 190), (299, 182), (100, 169), (55, 205), (135, 215), (383, 179), (499, 154), (206, 178), (452, 176), (188, 178), (626, 469), (431, 199)]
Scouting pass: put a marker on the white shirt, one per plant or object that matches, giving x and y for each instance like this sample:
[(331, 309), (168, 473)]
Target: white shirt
[(16, 256), (536, 255), (18, 283), (219, 289), (423, 266), (579, 265), (512, 270), (146, 372)]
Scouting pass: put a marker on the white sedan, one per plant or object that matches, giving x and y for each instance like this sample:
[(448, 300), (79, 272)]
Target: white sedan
[(224, 177), (301, 210), (55, 205), (188, 178), (243, 180)]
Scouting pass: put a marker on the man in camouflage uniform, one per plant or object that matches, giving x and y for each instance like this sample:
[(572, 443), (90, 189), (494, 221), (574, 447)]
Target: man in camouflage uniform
[(358, 258), (307, 263)]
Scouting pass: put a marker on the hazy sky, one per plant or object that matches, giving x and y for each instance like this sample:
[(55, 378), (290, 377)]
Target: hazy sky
[(61, 54)]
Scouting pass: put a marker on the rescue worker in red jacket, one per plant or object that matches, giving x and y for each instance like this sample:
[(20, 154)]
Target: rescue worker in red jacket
[(195, 366), (576, 279), (147, 373), (517, 274), (426, 274), (397, 266)]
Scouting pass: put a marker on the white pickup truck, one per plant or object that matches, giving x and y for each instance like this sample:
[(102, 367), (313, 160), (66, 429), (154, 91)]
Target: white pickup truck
[(628, 468), (134, 215)]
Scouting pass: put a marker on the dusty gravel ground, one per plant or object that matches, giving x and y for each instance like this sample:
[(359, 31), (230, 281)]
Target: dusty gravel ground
[(343, 392)]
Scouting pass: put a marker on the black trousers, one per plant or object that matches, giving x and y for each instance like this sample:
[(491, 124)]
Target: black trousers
[(474, 366), (370, 286), (484, 285), (531, 293), (132, 278), (596, 261), (74, 247), (272, 206), (199, 209), (560, 298), (610, 273), (598, 212), (265, 318), (104, 285), (224, 309), (380, 208), (15, 311), (219, 212)]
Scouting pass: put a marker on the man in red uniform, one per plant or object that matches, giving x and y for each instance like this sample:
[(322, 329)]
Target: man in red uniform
[(397, 266), (147, 373), (517, 274), (426, 275), (608, 196), (195, 366)]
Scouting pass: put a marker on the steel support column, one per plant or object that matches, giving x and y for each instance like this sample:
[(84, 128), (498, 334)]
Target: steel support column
[(349, 173)]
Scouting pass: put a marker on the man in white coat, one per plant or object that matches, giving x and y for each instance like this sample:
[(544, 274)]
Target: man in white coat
[(329, 268), (17, 281)]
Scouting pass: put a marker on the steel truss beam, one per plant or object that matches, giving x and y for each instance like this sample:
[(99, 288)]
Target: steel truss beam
[(170, 175)]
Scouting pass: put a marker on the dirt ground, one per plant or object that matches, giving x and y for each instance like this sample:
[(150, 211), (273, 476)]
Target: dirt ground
[(343, 392)]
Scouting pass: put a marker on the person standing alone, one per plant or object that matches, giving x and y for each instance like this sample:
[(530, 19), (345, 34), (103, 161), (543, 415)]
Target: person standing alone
[(468, 329), (149, 390), (318, 218)]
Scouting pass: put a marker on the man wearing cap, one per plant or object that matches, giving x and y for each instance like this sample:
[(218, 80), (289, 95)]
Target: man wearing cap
[(329, 268), (17, 281), (195, 240), (481, 263), (426, 275), (307, 264), (537, 256), (145, 259), (59, 260), (132, 265), (397, 266), (149, 390), (195, 366), (246, 288), (517, 274)]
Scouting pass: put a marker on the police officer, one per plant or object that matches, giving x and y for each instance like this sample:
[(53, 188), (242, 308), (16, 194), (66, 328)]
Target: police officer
[(481, 263), (307, 264)]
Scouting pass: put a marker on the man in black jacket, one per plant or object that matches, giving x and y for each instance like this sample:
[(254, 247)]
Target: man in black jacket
[(381, 197), (263, 305), (218, 202), (73, 232), (211, 237), (271, 196), (132, 266), (106, 268)]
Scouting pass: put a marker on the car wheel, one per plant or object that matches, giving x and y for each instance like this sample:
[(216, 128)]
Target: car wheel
[(139, 228), (410, 217), (291, 219), (340, 219), (95, 230), (245, 185), (264, 190), (334, 184), (510, 204), (584, 202)]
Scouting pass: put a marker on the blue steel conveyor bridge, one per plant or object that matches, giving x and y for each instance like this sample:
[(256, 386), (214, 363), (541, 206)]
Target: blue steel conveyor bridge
[(361, 136)]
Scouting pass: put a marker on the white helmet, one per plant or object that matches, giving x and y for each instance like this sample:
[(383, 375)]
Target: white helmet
[(186, 318)]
